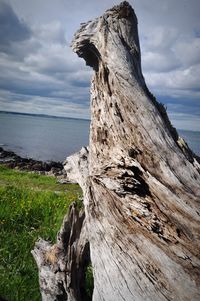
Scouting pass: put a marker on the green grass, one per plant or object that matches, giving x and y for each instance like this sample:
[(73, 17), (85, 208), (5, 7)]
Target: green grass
[(89, 281), (32, 181), (31, 206)]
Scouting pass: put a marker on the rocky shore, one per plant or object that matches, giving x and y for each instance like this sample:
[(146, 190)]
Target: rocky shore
[(51, 168)]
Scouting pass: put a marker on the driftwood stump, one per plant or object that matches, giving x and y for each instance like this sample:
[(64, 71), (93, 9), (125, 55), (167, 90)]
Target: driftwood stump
[(141, 185)]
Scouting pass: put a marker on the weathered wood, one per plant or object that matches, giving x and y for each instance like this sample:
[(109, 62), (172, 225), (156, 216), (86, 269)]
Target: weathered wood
[(62, 265), (141, 183)]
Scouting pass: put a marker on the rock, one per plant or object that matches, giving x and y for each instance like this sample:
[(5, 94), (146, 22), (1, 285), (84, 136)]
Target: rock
[(11, 160)]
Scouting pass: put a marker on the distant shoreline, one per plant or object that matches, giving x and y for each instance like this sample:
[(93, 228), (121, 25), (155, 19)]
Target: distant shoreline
[(66, 117), (47, 137), (42, 115)]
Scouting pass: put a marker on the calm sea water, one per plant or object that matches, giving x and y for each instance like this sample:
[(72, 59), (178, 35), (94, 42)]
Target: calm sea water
[(43, 138), (49, 138)]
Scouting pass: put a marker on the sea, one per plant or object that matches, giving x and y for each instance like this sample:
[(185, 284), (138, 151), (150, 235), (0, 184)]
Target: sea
[(44, 138), (50, 138)]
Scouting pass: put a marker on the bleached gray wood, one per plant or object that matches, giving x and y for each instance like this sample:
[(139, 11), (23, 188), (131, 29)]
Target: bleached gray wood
[(62, 265), (141, 183)]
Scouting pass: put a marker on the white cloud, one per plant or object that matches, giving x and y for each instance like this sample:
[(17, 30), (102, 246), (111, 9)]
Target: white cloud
[(164, 61), (160, 37), (42, 66), (185, 121), (37, 104), (176, 80), (52, 32), (187, 50), (46, 74)]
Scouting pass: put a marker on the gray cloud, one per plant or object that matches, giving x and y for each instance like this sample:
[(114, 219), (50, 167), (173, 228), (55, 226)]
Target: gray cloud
[(39, 70), (43, 74), (12, 29)]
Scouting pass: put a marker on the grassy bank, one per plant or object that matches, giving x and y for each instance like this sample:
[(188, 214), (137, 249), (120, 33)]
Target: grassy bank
[(31, 206)]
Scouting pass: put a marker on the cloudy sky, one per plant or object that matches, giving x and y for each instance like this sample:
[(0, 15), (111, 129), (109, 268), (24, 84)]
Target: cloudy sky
[(40, 74)]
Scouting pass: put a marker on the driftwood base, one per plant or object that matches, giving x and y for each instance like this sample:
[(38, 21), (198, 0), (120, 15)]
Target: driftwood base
[(62, 266), (140, 181)]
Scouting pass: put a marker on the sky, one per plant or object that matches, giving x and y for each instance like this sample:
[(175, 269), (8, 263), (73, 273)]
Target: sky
[(40, 74)]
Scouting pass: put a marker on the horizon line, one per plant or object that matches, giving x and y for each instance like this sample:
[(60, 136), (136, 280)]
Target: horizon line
[(43, 115), (66, 117)]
